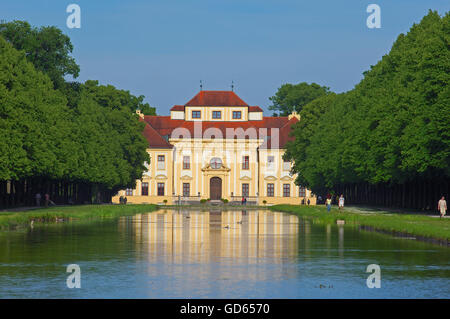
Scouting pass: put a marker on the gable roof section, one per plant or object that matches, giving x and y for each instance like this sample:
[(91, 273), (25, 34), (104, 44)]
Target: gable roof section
[(216, 98), (177, 108), (284, 135), (155, 140), (254, 109)]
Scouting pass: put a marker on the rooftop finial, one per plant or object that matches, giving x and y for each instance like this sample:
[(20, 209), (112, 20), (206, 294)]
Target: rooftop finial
[(232, 85), (201, 85)]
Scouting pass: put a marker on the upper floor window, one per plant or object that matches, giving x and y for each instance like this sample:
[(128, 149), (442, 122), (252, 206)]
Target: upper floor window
[(270, 162), (245, 162), (237, 114), (129, 192), (186, 162), (286, 165), (161, 162), (196, 114), (217, 114)]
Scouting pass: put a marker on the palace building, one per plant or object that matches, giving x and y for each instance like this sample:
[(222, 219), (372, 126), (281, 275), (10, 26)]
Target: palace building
[(215, 147)]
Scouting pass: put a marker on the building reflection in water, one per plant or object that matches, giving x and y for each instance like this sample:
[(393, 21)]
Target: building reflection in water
[(216, 236)]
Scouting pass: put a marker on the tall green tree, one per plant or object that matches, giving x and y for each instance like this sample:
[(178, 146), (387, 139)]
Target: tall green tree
[(46, 47), (293, 97), (34, 123), (393, 127)]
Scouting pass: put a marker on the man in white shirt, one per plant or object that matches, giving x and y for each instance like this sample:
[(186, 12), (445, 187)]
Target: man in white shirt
[(341, 202)]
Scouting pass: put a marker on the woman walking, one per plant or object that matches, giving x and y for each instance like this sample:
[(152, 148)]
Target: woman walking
[(328, 203), (442, 207)]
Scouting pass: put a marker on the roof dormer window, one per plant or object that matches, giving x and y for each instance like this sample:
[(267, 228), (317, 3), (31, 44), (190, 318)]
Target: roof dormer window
[(237, 115)]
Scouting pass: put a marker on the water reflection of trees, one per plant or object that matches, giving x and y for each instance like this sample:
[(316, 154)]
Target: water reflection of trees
[(226, 236)]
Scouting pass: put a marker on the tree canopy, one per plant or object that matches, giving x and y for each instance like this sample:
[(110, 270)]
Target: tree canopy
[(63, 131), (394, 125), (293, 97), (46, 47)]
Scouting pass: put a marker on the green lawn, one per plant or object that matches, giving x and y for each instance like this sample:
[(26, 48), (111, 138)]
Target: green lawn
[(13, 220), (416, 225)]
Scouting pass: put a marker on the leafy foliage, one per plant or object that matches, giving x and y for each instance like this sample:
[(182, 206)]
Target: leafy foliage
[(79, 132), (46, 47), (293, 97), (394, 126)]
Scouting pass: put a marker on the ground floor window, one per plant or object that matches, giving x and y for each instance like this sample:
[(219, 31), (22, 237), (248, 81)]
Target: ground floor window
[(186, 189), (160, 189), (286, 190), (245, 190), (144, 189), (302, 191), (270, 190), (129, 192)]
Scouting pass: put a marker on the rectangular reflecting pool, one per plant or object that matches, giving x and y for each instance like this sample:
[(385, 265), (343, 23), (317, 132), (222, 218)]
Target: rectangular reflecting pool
[(217, 254)]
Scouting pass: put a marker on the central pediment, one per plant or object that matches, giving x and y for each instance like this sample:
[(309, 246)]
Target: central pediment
[(208, 167)]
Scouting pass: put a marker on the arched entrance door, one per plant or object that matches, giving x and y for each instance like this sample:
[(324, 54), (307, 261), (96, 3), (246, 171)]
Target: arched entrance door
[(215, 188)]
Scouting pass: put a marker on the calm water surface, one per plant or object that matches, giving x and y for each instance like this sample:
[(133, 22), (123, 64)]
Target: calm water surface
[(233, 254)]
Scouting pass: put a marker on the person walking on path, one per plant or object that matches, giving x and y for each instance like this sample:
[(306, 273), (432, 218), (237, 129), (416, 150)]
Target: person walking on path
[(328, 203), (38, 199), (341, 202), (442, 207)]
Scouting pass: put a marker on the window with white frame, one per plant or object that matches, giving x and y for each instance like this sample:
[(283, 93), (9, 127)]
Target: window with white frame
[(270, 162), (301, 191), (161, 162), (186, 162), (286, 165), (270, 190)]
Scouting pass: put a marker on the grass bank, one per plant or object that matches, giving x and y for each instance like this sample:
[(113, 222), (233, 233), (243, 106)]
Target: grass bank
[(14, 220), (415, 225)]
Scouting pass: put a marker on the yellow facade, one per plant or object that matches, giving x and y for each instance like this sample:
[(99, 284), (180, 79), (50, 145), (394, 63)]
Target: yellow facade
[(188, 168)]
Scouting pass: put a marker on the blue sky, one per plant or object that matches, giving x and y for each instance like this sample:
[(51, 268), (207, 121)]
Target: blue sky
[(162, 49)]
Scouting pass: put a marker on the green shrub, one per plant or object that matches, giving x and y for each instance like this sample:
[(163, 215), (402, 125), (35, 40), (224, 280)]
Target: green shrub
[(202, 201)]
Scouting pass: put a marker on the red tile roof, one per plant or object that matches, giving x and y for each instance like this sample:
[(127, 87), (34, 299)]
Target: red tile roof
[(155, 140), (284, 135), (164, 126), (177, 108), (159, 128), (254, 109), (216, 98)]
